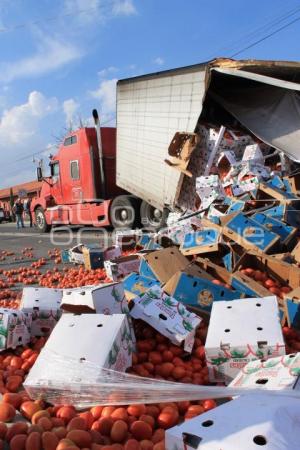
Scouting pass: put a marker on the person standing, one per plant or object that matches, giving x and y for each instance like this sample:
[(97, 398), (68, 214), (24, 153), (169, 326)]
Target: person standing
[(19, 210), (28, 210)]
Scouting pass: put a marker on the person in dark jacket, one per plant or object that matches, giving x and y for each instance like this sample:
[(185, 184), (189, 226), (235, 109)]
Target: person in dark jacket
[(19, 210)]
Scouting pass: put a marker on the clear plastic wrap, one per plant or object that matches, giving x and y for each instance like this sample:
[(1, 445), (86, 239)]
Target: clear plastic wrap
[(83, 384)]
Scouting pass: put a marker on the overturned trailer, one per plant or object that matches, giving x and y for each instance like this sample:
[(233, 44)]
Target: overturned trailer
[(257, 99)]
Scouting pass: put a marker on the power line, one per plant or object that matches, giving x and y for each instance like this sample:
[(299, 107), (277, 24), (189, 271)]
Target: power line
[(275, 21), (265, 37)]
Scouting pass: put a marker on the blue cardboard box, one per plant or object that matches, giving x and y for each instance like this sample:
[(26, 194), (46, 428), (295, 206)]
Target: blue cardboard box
[(136, 285), (292, 308), (250, 234), (203, 241), (286, 232), (198, 292)]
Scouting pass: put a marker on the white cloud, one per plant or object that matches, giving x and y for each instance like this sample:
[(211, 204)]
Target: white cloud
[(70, 107), (159, 61), (84, 11), (20, 123), (107, 71), (123, 8), (51, 55), (106, 94)]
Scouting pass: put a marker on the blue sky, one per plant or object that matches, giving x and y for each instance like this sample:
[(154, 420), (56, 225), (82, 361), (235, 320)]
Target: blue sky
[(61, 58)]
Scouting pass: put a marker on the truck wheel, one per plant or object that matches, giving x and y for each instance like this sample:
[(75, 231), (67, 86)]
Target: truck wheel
[(124, 212), (152, 218), (40, 220)]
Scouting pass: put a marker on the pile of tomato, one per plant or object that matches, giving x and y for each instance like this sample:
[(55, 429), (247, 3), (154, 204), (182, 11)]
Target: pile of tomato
[(267, 282)]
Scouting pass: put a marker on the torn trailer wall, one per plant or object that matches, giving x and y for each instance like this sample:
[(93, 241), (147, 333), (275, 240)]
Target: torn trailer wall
[(266, 102)]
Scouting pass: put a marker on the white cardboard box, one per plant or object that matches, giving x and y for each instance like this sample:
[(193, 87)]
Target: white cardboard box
[(168, 316), (241, 331), (101, 340), (101, 299), (247, 423), (253, 153), (275, 373), (120, 267), (14, 328), (44, 306)]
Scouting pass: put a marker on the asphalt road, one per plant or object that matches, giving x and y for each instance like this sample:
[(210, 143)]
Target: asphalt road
[(16, 240)]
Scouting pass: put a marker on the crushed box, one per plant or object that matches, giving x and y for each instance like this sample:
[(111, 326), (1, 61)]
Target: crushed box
[(168, 316), (203, 241), (100, 299), (44, 306), (163, 264), (240, 331)]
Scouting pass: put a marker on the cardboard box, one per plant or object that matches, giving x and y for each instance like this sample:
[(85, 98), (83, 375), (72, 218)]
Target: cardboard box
[(296, 253), (100, 299), (120, 267), (76, 254), (243, 186), (127, 239), (275, 373), (250, 234), (167, 316), (93, 258), (198, 292), (250, 422), (163, 264), (112, 252), (285, 273), (136, 285), (253, 153), (203, 241), (294, 182), (180, 150), (107, 344), (14, 328), (239, 332), (286, 232), (65, 256), (44, 306), (250, 287), (276, 193), (291, 304), (289, 213)]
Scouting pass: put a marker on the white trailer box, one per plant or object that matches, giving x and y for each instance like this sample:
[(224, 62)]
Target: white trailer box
[(44, 306), (241, 331), (247, 423)]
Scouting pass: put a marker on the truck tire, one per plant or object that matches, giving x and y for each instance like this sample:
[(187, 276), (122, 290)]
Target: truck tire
[(124, 212), (40, 220), (152, 218)]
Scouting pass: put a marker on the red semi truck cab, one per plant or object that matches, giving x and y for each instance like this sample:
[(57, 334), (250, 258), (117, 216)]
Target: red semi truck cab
[(75, 193)]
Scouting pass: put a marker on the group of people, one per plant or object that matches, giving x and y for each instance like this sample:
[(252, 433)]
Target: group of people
[(19, 209)]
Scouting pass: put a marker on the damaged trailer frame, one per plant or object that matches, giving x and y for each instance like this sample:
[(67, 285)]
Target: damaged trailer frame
[(260, 98)]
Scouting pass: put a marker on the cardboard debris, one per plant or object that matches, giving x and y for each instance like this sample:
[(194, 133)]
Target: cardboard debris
[(180, 150), (168, 316), (44, 306), (101, 299), (240, 331), (247, 423)]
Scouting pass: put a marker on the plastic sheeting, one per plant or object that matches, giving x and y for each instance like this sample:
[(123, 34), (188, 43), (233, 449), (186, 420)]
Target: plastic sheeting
[(62, 381), (268, 107)]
